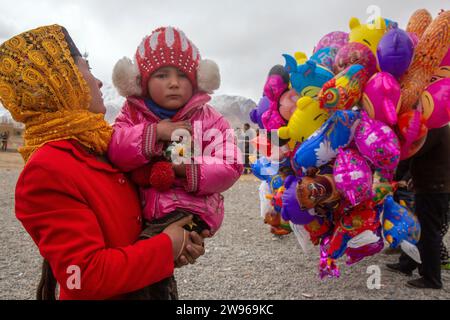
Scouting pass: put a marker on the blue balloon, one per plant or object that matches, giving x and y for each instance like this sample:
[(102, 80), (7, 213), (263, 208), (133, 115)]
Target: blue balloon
[(325, 57), (322, 147), (268, 171)]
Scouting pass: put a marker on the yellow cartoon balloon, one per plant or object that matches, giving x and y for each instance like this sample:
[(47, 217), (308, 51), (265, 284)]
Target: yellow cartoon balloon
[(307, 118), (368, 34)]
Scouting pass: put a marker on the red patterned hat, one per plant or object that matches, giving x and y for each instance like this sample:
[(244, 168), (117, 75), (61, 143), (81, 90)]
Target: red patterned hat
[(165, 47)]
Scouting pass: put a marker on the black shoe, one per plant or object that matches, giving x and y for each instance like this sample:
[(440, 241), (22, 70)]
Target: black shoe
[(395, 267), (421, 283)]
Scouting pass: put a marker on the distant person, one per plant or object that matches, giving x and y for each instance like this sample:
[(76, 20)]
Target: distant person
[(171, 93), (5, 137), (248, 135)]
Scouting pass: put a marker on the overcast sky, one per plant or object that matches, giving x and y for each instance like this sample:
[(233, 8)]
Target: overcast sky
[(245, 38)]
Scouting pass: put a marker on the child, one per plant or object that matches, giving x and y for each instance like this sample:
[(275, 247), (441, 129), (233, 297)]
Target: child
[(167, 89)]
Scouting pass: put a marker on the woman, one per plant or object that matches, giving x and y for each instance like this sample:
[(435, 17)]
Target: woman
[(82, 213)]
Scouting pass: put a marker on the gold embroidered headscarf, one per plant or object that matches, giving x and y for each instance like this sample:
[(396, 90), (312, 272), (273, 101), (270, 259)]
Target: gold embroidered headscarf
[(42, 87)]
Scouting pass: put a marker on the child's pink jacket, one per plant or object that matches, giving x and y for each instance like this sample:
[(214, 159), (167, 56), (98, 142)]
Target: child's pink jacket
[(134, 143)]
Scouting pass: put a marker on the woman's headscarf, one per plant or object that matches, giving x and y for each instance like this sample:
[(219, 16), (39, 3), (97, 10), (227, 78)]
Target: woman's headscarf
[(42, 87)]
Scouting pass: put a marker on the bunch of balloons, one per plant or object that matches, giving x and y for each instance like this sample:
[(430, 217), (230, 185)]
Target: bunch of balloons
[(337, 126)]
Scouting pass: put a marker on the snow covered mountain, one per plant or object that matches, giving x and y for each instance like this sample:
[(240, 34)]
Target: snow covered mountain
[(234, 108)]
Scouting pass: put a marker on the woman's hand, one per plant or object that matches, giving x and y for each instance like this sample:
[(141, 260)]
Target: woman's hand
[(193, 250), (165, 129)]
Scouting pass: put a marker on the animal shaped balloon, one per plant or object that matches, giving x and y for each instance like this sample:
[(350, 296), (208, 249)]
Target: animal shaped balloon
[(353, 176), (367, 34), (325, 57), (355, 53), (288, 104), (327, 265), (382, 97), (256, 114), (429, 52), (335, 39), (419, 22), (291, 210), (395, 52), (413, 131), (345, 90), (400, 227), (307, 118), (355, 255), (317, 191), (444, 68), (378, 143), (308, 78), (323, 145), (435, 103)]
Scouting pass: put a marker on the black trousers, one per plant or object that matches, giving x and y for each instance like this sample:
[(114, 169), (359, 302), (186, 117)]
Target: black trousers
[(431, 210)]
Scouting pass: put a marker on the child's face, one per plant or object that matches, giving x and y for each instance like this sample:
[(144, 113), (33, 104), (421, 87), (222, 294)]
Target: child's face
[(170, 88)]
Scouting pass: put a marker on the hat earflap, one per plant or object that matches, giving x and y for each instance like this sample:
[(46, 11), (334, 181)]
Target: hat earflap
[(208, 76), (126, 78)]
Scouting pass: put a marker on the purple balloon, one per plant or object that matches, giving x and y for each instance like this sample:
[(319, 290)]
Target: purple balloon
[(291, 209), (395, 51), (255, 114), (357, 254)]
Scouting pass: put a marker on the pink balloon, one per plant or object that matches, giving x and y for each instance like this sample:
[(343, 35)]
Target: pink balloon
[(378, 143), (336, 39), (435, 103), (381, 98), (355, 53), (353, 176), (446, 60), (414, 38)]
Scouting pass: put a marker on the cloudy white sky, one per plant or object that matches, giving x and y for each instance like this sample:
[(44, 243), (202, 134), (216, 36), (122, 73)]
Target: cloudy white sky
[(245, 38)]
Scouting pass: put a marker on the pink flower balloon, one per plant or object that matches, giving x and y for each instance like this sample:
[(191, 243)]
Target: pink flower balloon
[(353, 176), (378, 143), (336, 39), (435, 102), (381, 98), (355, 53)]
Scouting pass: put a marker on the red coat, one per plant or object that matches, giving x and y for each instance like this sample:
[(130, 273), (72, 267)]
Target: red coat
[(85, 213)]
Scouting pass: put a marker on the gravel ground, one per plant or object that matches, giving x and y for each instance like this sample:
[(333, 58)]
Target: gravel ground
[(243, 261)]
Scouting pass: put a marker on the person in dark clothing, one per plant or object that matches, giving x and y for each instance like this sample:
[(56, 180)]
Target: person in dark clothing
[(430, 171)]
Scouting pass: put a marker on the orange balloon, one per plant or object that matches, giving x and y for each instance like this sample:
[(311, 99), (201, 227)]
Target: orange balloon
[(419, 22)]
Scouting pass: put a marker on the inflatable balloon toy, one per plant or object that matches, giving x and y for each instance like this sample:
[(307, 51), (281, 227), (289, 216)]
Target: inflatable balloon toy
[(429, 52), (271, 171), (317, 229), (395, 52), (345, 90), (367, 34), (325, 57), (291, 210), (318, 192), (356, 254), (323, 145), (382, 97), (256, 114), (378, 143), (288, 104), (412, 133), (277, 83), (444, 69), (327, 265), (307, 78), (360, 219), (335, 39), (307, 118), (435, 103), (419, 22), (355, 53), (352, 176), (381, 188), (401, 228), (278, 226)]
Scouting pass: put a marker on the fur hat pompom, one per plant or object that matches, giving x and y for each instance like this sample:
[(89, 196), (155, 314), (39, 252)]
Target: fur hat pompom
[(126, 78), (208, 76)]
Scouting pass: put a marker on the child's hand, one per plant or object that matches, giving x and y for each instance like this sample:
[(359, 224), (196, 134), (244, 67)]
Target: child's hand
[(180, 170), (165, 128)]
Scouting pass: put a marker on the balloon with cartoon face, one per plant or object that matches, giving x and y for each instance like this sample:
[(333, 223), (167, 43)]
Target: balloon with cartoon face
[(288, 104), (291, 210), (435, 103), (444, 69), (367, 34), (335, 39), (316, 191), (355, 53)]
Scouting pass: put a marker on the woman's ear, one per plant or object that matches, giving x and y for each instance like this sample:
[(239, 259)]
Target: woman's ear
[(208, 76), (126, 78)]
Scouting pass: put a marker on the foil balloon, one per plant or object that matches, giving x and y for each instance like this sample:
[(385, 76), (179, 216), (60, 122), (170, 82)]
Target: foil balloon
[(419, 22), (307, 78), (307, 118), (345, 90), (355, 53), (413, 131), (400, 225), (291, 210), (318, 191), (323, 145), (435, 103), (378, 143), (395, 52), (317, 229), (367, 34), (444, 69), (355, 255), (288, 104), (429, 53), (382, 97), (256, 114), (270, 171), (327, 265), (360, 219), (325, 57), (336, 39), (353, 176), (277, 225)]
